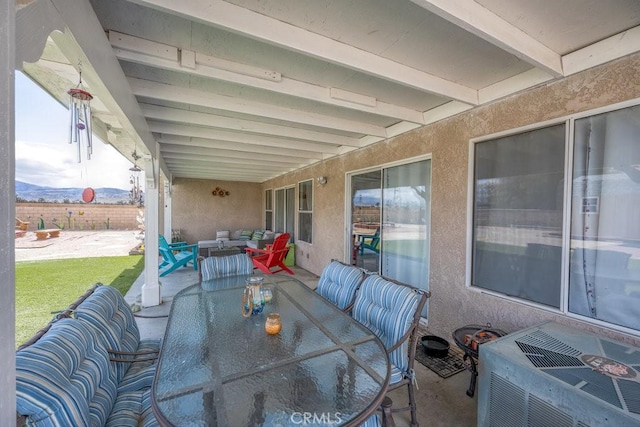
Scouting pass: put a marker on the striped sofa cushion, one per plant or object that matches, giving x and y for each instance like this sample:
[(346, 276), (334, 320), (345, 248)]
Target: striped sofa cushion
[(107, 311), (338, 283), (387, 309), (132, 409), (222, 266), (64, 378)]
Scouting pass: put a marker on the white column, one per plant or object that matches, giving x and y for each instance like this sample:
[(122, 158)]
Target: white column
[(151, 287), (7, 214), (167, 208)]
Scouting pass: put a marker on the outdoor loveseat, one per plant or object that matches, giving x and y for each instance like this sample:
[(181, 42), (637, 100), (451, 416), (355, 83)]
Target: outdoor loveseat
[(80, 369)]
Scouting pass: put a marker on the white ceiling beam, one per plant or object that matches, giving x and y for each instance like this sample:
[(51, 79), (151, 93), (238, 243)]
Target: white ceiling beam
[(485, 24), (514, 84), (272, 31), (156, 112), (215, 157), (127, 48), (609, 49), (174, 164), (161, 91), (228, 172), (218, 177), (212, 158), (445, 110), (220, 165), (233, 150), (167, 147), (236, 139)]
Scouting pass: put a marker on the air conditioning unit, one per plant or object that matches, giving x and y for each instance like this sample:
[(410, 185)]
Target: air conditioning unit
[(554, 375)]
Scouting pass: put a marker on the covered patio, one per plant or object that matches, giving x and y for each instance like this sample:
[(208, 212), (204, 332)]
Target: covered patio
[(279, 100)]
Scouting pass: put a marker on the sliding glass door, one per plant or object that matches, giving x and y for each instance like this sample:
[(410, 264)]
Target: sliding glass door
[(366, 205), (390, 222)]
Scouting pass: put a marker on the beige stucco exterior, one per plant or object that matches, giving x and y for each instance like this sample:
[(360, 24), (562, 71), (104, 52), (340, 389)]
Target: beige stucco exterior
[(199, 214), (452, 304)]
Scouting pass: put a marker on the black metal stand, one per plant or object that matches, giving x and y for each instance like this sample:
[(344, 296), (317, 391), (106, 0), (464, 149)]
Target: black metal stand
[(470, 355)]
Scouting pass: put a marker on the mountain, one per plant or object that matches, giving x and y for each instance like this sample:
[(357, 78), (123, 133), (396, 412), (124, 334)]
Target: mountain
[(35, 193)]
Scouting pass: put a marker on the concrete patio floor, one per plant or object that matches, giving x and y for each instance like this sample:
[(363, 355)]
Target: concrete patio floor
[(441, 402)]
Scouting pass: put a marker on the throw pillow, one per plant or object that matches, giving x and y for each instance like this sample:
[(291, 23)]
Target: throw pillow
[(268, 235), (222, 235), (257, 235), (246, 234)]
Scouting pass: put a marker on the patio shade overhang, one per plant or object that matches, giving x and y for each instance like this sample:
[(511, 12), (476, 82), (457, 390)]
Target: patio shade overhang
[(246, 90)]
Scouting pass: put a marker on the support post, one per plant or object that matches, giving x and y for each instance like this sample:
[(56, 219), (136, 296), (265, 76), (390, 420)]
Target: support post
[(151, 288), (167, 208), (7, 214)]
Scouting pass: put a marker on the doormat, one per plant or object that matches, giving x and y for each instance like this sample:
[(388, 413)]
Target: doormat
[(446, 366)]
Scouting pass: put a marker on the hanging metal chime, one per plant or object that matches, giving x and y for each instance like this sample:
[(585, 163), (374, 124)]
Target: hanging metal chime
[(80, 122)]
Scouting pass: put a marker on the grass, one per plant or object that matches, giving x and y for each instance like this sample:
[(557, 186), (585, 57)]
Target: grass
[(45, 287)]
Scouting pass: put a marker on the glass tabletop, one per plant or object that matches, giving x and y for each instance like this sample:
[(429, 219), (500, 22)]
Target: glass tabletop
[(217, 367)]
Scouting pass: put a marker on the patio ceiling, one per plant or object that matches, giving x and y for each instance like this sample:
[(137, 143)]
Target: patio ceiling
[(246, 90)]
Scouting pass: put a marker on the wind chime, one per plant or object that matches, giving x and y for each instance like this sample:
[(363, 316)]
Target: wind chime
[(80, 122), (80, 127), (136, 193)]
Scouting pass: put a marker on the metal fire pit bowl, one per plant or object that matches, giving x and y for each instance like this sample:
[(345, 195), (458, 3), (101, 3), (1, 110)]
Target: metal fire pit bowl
[(471, 355)]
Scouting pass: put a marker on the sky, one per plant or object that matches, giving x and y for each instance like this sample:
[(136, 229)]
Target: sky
[(43, 153)]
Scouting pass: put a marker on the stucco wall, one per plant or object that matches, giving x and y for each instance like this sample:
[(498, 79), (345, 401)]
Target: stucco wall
[(198, 214), (452, 304)]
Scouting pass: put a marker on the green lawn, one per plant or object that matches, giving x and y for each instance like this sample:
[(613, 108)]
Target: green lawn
[(44, 287)]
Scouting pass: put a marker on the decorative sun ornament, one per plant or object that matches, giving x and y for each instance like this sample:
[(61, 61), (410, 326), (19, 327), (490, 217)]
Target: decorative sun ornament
[(80, 121)]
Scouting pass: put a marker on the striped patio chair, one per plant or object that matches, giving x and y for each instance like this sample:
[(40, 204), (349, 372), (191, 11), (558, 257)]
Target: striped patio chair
[(222, 266), (338, 283), (392, 310)]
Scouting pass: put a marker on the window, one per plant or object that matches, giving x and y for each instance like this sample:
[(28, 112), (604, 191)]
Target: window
[(604, 267), (268, 209), (305, 211), (523, 196), (517, 221)]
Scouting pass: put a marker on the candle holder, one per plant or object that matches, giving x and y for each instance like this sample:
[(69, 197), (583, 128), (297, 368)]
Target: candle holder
[(273, 325)]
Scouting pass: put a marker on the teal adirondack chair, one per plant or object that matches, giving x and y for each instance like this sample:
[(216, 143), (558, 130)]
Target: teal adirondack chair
[(369, 241), (175, 255)]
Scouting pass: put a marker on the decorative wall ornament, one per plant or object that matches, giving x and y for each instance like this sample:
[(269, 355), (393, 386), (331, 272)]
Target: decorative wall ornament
[(321, 180), (220, 192), (80, 120)]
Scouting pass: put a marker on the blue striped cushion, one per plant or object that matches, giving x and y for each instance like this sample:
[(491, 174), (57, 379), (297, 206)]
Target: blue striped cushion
[(107, 311), (372, 421), (387, 309), (338, 283), (222, 266), (64, 379), (132, 409)]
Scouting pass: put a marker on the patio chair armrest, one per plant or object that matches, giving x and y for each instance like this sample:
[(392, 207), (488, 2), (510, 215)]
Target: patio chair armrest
[(257, 251), (184, 247), (177, 244), (132, 353), (139, 359)]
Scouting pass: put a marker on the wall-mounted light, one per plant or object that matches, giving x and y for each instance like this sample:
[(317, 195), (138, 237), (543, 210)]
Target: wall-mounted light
[(321, 180)]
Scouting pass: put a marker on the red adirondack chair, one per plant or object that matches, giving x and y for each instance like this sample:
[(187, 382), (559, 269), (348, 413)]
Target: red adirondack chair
[(271, 256)]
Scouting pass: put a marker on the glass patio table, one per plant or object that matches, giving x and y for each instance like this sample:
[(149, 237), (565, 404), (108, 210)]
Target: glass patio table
[(218, 368)]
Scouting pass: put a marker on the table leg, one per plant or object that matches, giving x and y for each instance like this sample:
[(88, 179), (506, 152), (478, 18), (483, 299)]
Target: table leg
[(387, 416)]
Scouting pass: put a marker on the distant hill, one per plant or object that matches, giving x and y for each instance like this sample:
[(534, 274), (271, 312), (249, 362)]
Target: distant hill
[(35, 193)]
